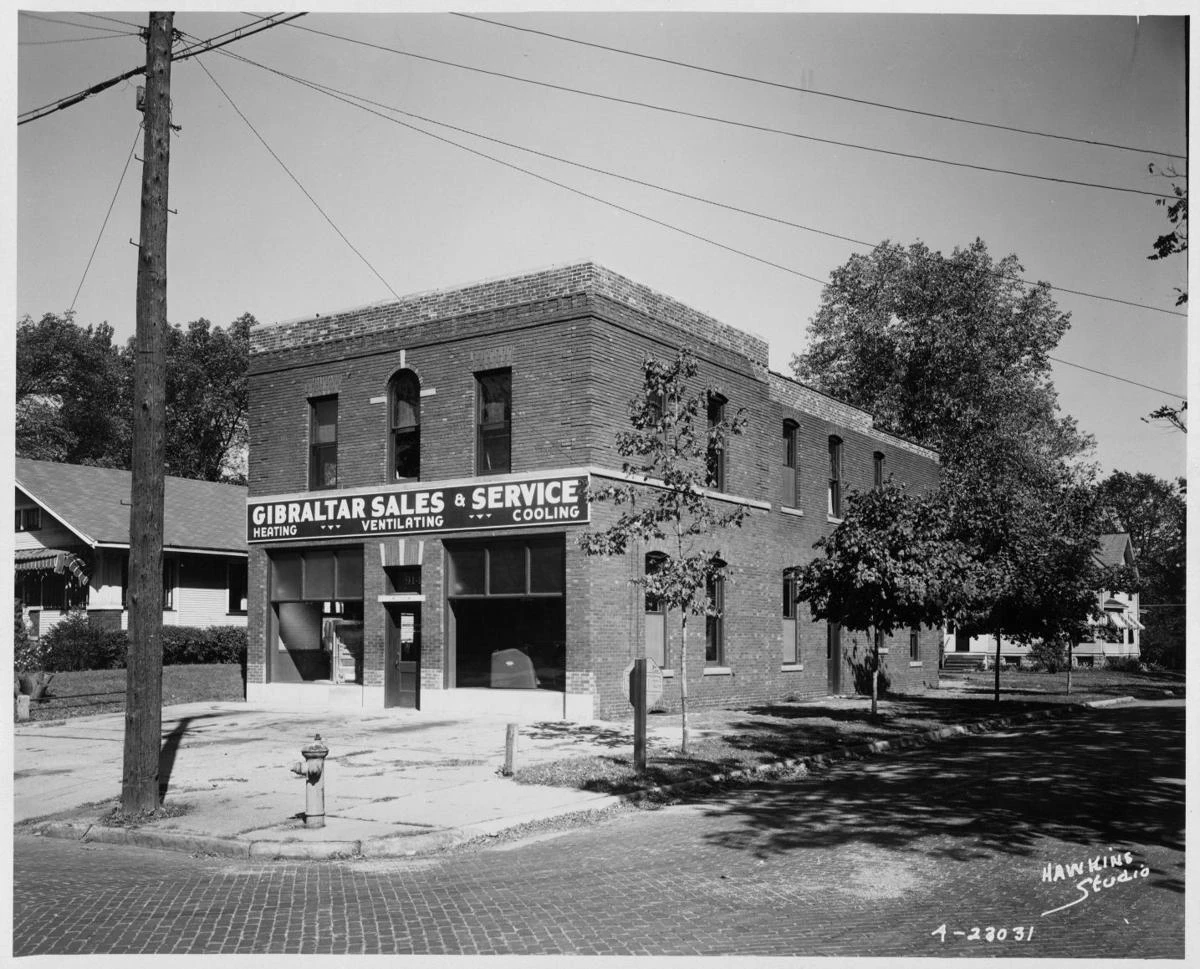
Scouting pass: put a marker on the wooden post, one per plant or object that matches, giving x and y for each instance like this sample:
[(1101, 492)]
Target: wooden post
[(510, 750), (637, 693), (143, 703)]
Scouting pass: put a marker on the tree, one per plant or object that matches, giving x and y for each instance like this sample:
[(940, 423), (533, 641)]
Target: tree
[(207, 398), (672, 443), (75, 396), (889, 564), (1153, 511), (1169, 244), (72, 392), (947, 351)]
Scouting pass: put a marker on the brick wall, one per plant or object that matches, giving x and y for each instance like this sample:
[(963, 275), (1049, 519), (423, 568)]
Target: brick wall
[(574, 338)]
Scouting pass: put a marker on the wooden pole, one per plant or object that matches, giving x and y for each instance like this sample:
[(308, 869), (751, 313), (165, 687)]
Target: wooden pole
[(510, 749), (637, 692), (143, 703)]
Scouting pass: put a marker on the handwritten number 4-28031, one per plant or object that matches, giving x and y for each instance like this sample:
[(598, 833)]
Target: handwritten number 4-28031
[(1020, 933)]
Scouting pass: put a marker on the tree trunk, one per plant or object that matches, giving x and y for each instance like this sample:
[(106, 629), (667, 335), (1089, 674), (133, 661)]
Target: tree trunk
[(875, 674), (683, 683), (143, 704), (1070, 661), (997, 696)]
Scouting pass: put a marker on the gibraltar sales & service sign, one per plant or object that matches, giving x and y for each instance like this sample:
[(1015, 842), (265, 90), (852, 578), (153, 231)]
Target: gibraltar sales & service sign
[(503, 504)]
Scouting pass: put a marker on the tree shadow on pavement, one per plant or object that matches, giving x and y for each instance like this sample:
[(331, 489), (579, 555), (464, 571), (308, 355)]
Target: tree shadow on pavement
[(1105, 778)]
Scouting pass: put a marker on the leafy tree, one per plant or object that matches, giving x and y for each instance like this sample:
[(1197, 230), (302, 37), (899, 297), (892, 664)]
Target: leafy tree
[(948, 351), (71, 393), (1153, 511), (207, 398), (1175, 241), (890, 564), (670, 444), (75, 388)]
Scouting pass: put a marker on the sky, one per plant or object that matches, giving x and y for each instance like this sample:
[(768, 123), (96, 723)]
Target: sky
[(423, 214)]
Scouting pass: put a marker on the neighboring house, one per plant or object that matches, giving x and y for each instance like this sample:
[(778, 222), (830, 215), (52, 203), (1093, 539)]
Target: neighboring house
[(418, 475), (71, 547), (1117, 634)]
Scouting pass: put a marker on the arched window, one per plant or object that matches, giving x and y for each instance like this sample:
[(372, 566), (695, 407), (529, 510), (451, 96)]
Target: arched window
[(404, 409)]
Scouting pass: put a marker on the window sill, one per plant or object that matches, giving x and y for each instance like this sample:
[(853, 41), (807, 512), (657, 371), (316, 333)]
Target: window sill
[(884, 651), (791, 668), (667, 674), (788, 510), (718, 671), (916, 662), (834, 519), (240, 612)]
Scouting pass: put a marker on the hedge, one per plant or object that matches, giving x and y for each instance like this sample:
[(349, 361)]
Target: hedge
[(76, 644)]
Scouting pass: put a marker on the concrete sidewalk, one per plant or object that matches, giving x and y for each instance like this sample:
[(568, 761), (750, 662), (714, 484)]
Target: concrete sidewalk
[(396, 783)]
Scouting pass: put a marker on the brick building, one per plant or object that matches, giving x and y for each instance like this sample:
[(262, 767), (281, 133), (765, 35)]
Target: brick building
[(417, 471)]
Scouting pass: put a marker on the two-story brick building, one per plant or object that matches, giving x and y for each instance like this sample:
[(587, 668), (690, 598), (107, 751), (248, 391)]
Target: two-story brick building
[(418, 473)]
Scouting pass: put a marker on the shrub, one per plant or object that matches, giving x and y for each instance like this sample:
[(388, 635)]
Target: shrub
[(75, 643), (215, 644), (1125, 664), (1047, 657), (27, 652)]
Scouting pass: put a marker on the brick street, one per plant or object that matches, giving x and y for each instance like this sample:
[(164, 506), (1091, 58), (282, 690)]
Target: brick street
[(866, 858)]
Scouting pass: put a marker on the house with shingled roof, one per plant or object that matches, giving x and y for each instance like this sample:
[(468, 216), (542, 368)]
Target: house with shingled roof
[(1117, 634), (71, 547)]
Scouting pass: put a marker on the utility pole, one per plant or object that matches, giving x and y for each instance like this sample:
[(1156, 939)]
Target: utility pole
[(143, 701)]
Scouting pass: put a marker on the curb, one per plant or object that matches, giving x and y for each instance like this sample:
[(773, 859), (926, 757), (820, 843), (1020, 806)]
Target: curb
[(402, 846), (802, 765), (1110, 702)]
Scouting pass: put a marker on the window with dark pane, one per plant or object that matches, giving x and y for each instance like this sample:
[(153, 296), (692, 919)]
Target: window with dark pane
[(716, 449), (322, 450), (835, 477), (494, 421), (404, 394)]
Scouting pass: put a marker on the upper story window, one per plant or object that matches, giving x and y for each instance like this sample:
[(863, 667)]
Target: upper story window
[(879, 466), (716, 450), (493, 421), (914, 644), (404, 406), (28, 519), (322, 443), (714, 626), (791, 464), (835, 476)]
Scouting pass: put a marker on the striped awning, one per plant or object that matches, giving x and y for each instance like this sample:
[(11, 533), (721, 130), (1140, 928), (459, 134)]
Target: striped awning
[(51, 560)]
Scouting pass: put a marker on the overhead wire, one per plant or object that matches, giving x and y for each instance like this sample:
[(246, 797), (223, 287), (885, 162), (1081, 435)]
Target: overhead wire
[(334, 92), (72, 23), (104, 224), (35, 114), (299, 185), (71, 40), (816, 92), (112, 20), (340, 96), (739, 124)]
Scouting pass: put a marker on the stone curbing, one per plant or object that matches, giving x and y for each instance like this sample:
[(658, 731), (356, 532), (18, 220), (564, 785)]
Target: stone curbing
[(401, 847)]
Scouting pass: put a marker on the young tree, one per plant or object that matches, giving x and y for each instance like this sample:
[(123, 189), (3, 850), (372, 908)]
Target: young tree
[(670, 450), (889, 564)]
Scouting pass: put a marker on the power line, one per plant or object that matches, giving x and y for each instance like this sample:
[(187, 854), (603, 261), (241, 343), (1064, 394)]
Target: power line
[(297, 181), (663, 188), (72, 23), (34, 114), (71, 40), (1113, 376), (249, 30), (815, 92), (544, 178), (104, 224), (739, 124), (330, 92), (114, 20)]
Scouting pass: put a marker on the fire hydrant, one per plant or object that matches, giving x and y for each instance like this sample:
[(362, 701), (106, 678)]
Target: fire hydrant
[(312, 768)]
